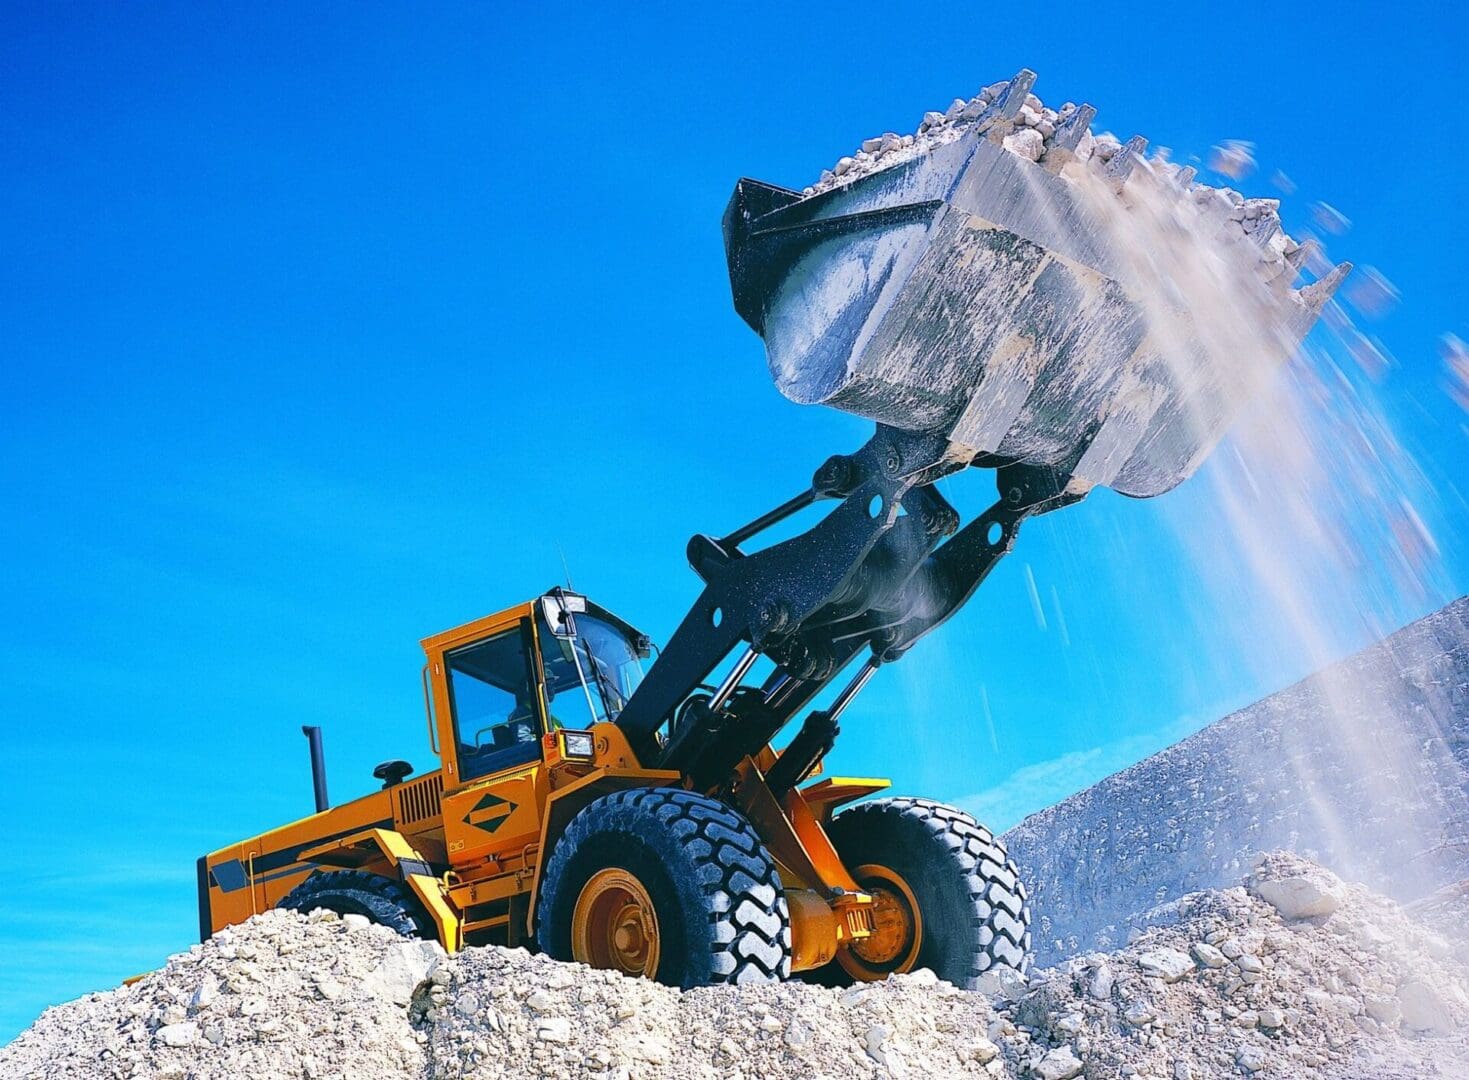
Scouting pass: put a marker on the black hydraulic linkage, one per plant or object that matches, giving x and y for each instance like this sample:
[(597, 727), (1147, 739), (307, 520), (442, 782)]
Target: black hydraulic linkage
[(817, 736), (875, 573)]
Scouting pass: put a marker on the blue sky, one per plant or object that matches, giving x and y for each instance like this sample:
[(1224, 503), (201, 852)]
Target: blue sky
[(325, 329)]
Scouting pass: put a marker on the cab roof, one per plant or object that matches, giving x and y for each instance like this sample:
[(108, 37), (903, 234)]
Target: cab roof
[(490, 624)]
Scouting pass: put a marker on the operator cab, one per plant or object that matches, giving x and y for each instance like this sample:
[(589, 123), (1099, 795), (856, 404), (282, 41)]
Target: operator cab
[(558, 662)]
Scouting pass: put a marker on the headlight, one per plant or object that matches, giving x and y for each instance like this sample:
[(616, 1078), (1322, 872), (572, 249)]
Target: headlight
[(578, 744)]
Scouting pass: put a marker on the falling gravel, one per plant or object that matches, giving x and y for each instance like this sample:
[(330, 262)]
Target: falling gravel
[(1280, 773), (1292, 974)]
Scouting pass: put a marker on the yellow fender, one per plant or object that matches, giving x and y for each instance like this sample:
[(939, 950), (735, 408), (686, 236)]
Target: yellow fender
[(388, 852)]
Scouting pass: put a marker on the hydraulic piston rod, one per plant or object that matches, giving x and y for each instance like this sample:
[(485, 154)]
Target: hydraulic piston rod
[(733, 679), (816, 737)]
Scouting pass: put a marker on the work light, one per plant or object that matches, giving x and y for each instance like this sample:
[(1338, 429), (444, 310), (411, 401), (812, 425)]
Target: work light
[(578, 744)]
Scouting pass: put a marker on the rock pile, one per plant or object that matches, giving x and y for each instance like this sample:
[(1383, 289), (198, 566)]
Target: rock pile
[(281, 995), (1364, 766), (1061, 140), (1295, 975)]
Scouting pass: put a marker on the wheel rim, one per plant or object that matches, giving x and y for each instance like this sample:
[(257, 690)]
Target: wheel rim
[(897, 932), (614, 924)]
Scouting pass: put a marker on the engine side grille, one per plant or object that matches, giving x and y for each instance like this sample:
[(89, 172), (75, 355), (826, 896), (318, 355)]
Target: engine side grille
[(420, 800)]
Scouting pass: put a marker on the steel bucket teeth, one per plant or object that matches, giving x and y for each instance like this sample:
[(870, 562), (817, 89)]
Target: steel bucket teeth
[(1067, 138), (1125, 160), (1315, 295), (998, 118), (1301, 255), (1265, 232)]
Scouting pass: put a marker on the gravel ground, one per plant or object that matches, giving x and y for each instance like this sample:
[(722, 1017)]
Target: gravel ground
[(1292, 974)]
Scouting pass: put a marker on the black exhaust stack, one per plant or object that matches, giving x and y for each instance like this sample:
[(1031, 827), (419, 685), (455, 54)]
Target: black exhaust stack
[(318, 767)]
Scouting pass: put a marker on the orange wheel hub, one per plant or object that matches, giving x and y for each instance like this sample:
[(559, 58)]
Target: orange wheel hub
[(614, 924), (897, 927)]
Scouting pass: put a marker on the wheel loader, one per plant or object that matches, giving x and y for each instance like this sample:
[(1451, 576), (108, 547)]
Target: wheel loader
[(660, 822)]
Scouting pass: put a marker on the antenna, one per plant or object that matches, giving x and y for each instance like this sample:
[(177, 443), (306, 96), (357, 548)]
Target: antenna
[(564, 568)]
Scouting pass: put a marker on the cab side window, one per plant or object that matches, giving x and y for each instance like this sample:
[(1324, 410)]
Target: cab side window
[(496, 725)]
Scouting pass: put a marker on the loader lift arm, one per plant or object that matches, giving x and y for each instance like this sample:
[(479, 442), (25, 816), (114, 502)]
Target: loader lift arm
[(876, 572)]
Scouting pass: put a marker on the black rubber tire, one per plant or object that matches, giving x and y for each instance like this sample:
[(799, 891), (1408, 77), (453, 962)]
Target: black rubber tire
[(969, 893), (355, 892), (721, 909)]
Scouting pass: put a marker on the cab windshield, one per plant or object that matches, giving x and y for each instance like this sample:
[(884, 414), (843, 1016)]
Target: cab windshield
[(596, 670)]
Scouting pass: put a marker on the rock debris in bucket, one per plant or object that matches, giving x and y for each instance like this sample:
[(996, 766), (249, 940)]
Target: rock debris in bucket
[(1062, 141)]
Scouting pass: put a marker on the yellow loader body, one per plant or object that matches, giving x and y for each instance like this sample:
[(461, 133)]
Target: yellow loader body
[(469, 839)]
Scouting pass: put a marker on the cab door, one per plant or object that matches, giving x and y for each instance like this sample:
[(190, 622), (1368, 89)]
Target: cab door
[(492, 745)]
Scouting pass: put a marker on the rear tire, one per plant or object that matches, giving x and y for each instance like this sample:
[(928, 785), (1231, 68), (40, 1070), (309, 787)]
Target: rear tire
[(354, 892), (971, 905), (684, 868)]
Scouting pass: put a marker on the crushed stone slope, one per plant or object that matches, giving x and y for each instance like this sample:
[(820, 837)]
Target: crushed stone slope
[(1363, 767), (1295, 974)]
